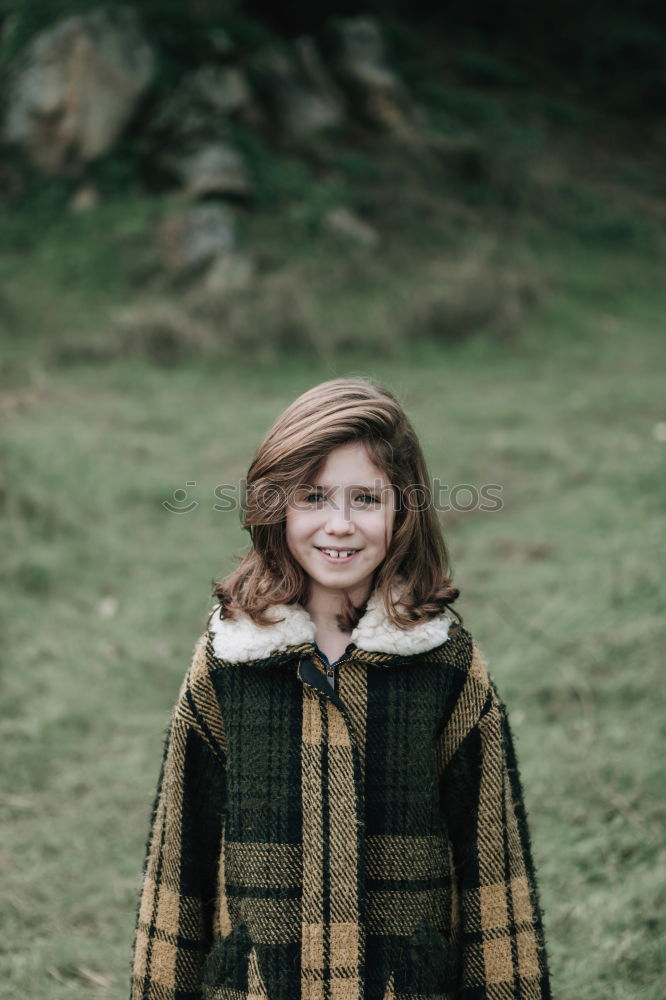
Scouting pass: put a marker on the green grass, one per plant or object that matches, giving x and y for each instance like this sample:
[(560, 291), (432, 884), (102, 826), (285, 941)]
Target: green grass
[(106, 592)]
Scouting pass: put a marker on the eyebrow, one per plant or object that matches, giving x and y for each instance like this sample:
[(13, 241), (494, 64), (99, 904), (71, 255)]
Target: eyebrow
[(354, 486)]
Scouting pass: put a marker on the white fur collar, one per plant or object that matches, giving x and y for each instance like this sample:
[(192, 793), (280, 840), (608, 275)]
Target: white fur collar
[(241, 639)]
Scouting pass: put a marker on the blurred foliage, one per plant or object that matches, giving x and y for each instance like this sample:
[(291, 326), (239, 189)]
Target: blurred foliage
[(485, 69), (607, 49)]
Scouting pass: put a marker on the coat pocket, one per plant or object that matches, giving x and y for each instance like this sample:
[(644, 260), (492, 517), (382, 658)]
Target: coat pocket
[(231, 970), (425, 967)]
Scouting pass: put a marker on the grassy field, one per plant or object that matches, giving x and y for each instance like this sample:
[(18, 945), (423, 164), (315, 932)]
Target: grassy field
[(106, 592)]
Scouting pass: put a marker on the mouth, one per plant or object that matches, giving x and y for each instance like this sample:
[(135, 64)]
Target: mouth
[(338, 555)]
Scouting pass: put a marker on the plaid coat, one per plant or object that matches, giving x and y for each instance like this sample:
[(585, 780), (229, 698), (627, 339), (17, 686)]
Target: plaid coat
[(367, 842)]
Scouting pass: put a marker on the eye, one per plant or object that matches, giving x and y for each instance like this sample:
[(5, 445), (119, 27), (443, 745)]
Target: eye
[(367, 499), (313, 498)]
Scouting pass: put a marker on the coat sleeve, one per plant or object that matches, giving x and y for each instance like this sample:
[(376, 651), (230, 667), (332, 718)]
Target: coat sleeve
[(501, 937), (176, 915)]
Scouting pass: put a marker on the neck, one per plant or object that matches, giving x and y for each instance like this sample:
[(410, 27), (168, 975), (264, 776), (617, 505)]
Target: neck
[(324, 605)]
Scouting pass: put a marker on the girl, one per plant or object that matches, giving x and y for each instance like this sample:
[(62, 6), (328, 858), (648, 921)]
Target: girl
[(339, 815)]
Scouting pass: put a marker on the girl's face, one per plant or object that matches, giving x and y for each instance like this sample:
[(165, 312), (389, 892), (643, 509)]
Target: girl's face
[(339, 528)]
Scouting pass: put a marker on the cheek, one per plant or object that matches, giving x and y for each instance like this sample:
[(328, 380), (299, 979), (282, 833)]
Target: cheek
[(389, 524), (297, 528), (381, 529), (289, 532)]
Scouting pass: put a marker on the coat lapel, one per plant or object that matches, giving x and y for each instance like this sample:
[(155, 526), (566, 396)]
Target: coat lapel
[(242, 640)]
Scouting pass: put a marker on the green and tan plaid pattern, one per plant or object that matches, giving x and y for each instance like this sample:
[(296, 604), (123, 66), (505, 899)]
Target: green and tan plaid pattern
[(174, 915), (331, 947), (368, 843)]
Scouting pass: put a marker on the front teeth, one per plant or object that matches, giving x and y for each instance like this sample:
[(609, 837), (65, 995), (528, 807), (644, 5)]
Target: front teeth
[(339, 555)]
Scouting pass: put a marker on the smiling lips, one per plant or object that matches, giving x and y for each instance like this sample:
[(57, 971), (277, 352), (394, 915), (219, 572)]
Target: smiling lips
[(338, 555)]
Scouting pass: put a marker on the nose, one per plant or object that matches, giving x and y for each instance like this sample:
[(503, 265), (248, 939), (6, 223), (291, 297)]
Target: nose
[(339, 522)]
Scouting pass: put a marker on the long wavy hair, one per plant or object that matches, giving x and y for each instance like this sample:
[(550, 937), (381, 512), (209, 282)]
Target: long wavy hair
[(292, 453)]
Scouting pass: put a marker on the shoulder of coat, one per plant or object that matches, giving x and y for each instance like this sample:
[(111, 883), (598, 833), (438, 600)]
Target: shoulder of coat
[(198, 704), (199, 666), (473, 692), (465, 653), (478, 668)]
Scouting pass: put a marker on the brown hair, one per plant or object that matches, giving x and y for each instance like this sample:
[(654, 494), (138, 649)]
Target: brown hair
[(329, 415)]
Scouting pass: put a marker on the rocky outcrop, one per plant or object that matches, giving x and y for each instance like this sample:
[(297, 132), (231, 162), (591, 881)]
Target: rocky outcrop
[(77, 88), (191, 240), (79, 82), (347, 224), (302, 96), (202, 105), (214, 168), (376, 92)]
